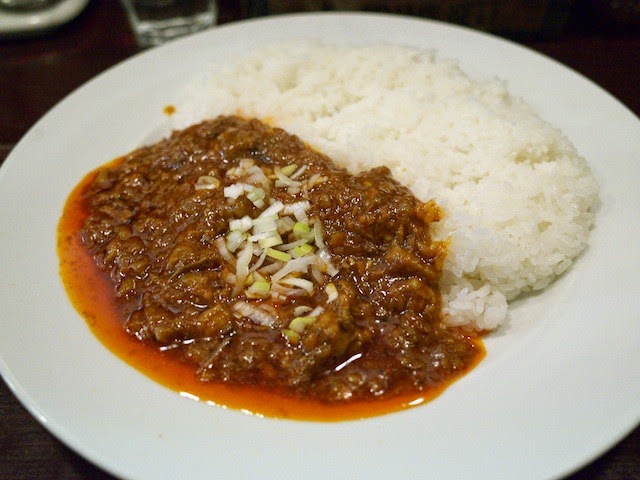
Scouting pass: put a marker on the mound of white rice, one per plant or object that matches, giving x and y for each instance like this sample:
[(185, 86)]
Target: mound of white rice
[(517, 196)]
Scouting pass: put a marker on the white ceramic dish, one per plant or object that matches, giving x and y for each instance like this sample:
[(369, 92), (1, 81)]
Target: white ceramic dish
[(30, 22), (560, 383)]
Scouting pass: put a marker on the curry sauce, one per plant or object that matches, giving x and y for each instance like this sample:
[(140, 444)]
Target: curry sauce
[(235, 264)]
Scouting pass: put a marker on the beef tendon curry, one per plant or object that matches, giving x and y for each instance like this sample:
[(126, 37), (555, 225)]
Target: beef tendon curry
[(233, 248)]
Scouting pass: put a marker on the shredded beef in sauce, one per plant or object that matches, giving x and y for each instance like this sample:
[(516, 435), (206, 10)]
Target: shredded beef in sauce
[(157, 221)]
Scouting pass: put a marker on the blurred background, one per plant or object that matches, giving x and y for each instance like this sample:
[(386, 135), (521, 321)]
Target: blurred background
[(511, 18), (599, 38)]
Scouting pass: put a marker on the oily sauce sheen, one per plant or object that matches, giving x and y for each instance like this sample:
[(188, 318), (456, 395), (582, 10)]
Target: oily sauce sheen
[(147, 258)]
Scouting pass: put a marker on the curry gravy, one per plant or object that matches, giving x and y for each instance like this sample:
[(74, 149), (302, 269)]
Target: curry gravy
[(375, 346)]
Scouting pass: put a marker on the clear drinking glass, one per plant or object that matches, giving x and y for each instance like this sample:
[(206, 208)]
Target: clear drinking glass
[(157, 21)]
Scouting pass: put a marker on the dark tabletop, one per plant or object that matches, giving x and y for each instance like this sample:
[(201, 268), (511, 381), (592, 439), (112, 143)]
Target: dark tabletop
[(601, 40)]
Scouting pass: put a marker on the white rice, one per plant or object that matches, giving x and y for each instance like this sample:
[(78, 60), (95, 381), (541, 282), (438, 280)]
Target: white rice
[(517, 196)]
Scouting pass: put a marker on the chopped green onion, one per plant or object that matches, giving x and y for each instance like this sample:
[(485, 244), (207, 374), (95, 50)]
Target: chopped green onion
[(262, 235), (284, 180), (296, 265), (291, 245), (257, 176), (300, 310), (278, 255), (242, 269), (245, 163), (253, 313), (301, 250), (234, 191), (265, 224), (318, 234), (234, 240), (256, 195), (259, 288), (207, 182), (299, 324), (299, 210), (285, 224), (289, 169), (293, 337), (272, 210), (316, 311), (315, 179), (301, 230), (243, 224), (306, 285), (331, 291), (299, 171), (326, 259), (221, 245), (270, 241), (264, 265), (262, 255)]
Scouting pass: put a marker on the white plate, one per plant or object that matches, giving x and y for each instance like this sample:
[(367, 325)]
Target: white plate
[(559, 385), (28, 22)]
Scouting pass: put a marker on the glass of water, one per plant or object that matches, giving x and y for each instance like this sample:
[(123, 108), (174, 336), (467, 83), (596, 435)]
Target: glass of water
[(157, 21)]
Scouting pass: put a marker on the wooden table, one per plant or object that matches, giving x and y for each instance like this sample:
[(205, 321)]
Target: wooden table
[(36, 73)]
